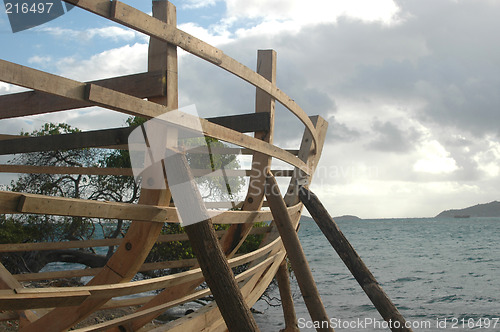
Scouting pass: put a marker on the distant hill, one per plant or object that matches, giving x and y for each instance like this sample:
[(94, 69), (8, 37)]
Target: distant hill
[(491, 209), (339, 218), (346, 217)]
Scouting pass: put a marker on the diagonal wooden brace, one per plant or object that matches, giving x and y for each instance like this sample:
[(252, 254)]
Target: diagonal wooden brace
[(296, 255), (354, 263), (206, 246)]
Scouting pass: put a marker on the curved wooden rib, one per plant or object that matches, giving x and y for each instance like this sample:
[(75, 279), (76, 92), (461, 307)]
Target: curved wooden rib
[(137, 20), (31, 169), (256, 270), (42, 81), (15, 203), (61, 295), (16, 247)]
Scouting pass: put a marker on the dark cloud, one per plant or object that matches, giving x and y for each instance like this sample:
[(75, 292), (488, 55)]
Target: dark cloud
[(389, 138)]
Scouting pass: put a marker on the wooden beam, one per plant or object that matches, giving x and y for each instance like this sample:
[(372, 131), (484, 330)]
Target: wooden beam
[(32, 169), (137, 20), (10, 300), (244, 123), (89, 139), (39, 246), (141, 85), (15, 203), (205, 244), (116, 136), (135, 287), (39, 204), (354, 263), (31, 78), (296, 255)]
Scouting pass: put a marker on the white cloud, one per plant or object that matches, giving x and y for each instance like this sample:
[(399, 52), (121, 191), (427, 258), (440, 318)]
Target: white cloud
[(215, 36), (435, 160), (40, 59), (128, 59), (196, 4), (111, 32), (9, 88), (314, 11)]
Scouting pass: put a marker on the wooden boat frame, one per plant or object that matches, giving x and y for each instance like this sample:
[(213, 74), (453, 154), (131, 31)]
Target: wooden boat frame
[(60, 308)]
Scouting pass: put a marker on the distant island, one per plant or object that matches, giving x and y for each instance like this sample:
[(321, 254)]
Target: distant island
[(491, 209), (338, 218)]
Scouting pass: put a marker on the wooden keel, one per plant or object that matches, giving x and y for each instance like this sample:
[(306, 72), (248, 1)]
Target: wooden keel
[(354, 263)]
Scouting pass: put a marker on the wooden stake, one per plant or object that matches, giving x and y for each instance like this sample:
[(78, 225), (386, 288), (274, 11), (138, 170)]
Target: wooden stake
[(296, 255), (353, 262), (291, 324), (206, 246)]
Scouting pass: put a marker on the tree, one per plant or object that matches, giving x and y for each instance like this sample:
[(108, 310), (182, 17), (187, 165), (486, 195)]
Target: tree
[(41, 228)]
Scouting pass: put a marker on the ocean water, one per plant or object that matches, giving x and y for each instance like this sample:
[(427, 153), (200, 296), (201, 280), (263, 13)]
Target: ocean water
[(442, 274)]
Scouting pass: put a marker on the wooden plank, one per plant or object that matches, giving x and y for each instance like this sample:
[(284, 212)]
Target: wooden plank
[(31, 169), (39, 204), (10, 300), (41, 81), (141, 85), (137, 20), (89, 139), (128, 320), (354, 263), (112, 137), (40, 246), (131, 105), (296, 254), (94, 271), (208, 318), (111, 99), (135, 287), (14, 203), (244, 123)]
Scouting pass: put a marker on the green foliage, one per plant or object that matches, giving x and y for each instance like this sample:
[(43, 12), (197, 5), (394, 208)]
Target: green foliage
[(15, 231), (40, 228), (253, 241)]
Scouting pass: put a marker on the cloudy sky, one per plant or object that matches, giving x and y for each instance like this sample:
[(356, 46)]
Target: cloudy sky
[(410, 88)]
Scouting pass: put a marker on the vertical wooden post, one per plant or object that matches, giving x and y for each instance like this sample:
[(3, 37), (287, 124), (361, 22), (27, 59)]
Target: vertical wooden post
[(233, 239), (350, 257), (291, 324), (296, 255), (206, 246)]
